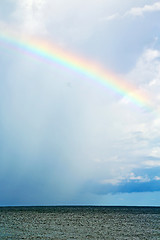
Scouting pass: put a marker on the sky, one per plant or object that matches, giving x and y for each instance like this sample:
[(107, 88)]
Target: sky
[(66, 138)]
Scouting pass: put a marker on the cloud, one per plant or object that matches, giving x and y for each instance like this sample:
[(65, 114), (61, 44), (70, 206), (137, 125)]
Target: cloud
[(111, 17), (139, 11), (60, 130), (63, 130), (144, 179), (132, 177), (135, 11), (151, 163), (132, 184), (157, 178), (28, 17), (147, 74), (129, 187)]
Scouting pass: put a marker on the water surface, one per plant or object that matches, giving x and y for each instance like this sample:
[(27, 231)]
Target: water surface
[(66, 223)]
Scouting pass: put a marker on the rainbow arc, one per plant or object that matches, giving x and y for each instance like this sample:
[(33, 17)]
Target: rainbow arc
[(52, 54)]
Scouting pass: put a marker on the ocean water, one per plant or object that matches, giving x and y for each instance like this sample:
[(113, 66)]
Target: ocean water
[(70, 223)]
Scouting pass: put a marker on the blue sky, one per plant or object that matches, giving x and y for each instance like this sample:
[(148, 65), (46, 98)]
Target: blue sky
[(68, 140)]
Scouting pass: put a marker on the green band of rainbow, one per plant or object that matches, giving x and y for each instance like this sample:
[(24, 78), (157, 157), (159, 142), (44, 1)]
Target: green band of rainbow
[(51, 53)]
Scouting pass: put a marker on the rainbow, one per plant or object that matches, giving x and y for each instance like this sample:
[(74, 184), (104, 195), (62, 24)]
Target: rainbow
[(44, 50)]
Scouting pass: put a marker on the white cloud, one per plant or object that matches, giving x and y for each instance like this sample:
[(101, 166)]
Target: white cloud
[(111, 17), (139, 11), (112, 181), (150, 55), (157, 178), (135, 11), (155, 152), (152, 163), (132, 176), (147, 74), (129, 177), (28, 17)]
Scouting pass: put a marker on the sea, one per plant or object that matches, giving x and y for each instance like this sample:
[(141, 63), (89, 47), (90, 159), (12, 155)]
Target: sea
[(80, 222)]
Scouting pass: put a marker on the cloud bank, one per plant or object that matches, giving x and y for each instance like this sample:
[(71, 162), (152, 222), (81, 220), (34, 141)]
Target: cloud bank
[(60, 131)]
